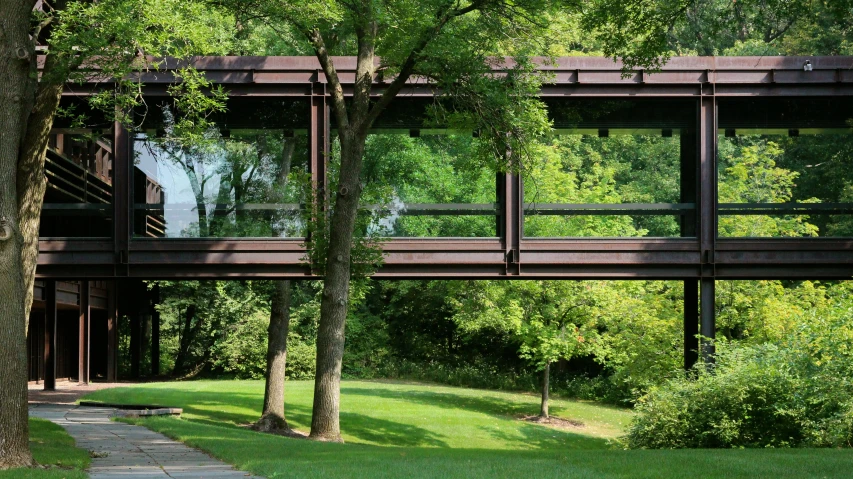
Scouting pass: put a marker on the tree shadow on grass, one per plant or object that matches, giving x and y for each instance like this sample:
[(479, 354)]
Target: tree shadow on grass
[(236, 409), (523, 436), (202, 409)]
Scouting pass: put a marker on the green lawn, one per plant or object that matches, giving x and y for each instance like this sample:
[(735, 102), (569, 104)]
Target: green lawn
[(413, 430), (52, 447)]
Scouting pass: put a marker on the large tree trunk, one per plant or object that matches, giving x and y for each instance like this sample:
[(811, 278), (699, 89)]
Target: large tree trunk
[(546, 376), (325, 419), (32, 181), (17, 89), (272, 418)]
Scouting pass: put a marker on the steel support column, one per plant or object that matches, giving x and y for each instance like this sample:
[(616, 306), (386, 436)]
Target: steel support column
[(509, 186), (50, 335), (708, 183), (155, 331), (84, 348), (122, 195), (319, 139), (707, 218), (112, 333), (708, 328), (691, 323)]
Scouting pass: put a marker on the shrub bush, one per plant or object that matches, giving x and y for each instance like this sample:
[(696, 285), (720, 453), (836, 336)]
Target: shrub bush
[(797, 392)]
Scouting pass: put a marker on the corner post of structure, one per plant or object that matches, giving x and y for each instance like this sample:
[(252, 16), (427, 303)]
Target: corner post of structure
[(708, 329), (122, 204), (319, 140), (691, 152), (50, 335), (155, 331), (112, 333), (691, 323), (84, 348), (708, 219), (509, 197)]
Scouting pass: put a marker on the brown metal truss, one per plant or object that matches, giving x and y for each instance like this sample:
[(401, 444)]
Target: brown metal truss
[(510, 255)]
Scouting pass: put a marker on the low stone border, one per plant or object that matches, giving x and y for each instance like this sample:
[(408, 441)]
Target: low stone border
[(136, 410)]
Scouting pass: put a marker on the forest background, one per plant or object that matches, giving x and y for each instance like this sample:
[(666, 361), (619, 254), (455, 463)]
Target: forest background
[(612, 341)]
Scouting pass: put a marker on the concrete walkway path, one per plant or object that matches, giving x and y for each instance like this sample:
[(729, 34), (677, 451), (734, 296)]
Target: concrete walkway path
[(124, 451)]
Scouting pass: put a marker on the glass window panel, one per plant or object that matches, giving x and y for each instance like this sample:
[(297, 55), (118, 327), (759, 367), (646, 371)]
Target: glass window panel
[(422, 181), (244, 178), (785, 167), (614, 168), (78, 200)]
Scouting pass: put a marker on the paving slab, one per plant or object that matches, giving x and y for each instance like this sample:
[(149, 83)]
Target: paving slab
[(126, 451)]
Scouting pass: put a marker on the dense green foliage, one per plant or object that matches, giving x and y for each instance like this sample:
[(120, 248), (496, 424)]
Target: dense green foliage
[(793, 391), (419, 431), (613, 341)]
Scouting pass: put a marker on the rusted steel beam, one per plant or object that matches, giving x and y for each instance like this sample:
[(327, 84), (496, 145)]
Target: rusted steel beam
[(122, 181), (691, 323), (707, 181), (708, 319), (112, 332), (84, 334), (50, 314)]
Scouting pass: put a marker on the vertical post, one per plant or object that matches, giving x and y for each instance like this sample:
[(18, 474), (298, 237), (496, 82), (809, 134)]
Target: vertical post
[(155, 332), (84, 349), (709, 327), (511, 224), (707, 218), (112, 333), (319, 146), (689, 179), (319, 138), (50, 335), (690, 149), (691, 323), (122, 205), (708, 183)]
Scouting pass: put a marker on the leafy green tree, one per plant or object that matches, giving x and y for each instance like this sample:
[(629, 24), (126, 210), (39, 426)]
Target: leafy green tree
[(127, 31), (750, 175), (552, 320)]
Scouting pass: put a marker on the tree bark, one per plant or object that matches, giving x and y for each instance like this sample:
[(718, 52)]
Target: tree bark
[(325, 419), (546, 376), (354, 122), (17, 90), (31, 179), (272, 418)]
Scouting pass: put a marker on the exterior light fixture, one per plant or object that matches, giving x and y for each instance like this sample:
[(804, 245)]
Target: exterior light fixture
[(807, 66)]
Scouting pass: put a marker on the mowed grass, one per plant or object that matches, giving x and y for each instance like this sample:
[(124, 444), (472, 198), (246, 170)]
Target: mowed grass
[(426, 431), (52, 447), (392, 413)]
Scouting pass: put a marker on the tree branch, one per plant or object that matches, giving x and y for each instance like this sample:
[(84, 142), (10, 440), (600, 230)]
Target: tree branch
[(443, 16), (338, 103)]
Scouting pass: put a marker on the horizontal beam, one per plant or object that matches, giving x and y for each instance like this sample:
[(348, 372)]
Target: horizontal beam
[(426, 258)]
